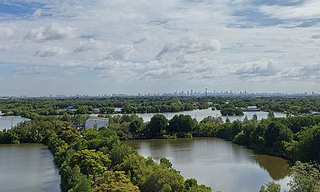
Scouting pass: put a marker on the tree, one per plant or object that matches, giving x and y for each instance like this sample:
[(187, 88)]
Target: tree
[(83, 185), (151, 177), (119, 152), (276, 133), (135, 126), (236, 128), (114, 181), (210, 119), (160, 177), (91, 162), (255, 117), (271, 114), (308, 147), (181, 123), (157, 124), (227, 111), (238, 111), (240, 138), (271, 187), (192, 186), (190, 183), (73, 180), (166, 163), (245, 120), (305, 177)]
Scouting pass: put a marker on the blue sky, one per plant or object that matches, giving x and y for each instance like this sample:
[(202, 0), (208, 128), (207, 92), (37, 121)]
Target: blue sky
[(50, 47)]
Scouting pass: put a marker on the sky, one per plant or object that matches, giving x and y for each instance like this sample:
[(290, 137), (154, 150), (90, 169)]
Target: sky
[(50, 47)]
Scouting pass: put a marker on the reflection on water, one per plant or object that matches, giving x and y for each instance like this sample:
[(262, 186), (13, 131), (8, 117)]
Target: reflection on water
[(217, 163), (27, 168), (276, 167)]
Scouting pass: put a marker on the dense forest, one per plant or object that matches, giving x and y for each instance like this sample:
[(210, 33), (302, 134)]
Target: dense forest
[(96, 159)]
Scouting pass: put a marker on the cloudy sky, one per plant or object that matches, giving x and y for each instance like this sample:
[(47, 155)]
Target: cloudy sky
[(150, 46)]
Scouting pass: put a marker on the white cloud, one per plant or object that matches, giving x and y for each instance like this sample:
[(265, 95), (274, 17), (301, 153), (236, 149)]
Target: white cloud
[(308, 73), (50, 52), (189, 45), (143, 39), (121, 53), (308, 10), (87, 46), (28, 71), (5, 32), (310, 70), (70, 63), (118, 75), (256, 68), (53, 32), (168, 42), (37, 13), (72, 72)]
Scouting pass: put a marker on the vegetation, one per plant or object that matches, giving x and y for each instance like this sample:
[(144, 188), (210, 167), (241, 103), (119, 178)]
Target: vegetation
[(230, 110), (33, 108), (305, 177), (96, 160)]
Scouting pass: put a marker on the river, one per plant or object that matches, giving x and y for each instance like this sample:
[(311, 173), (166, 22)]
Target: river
[(6, 122), (200, 114), (27, 168), (219, 164)]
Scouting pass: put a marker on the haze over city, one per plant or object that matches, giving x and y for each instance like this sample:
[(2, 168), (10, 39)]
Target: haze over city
[(97, 46)]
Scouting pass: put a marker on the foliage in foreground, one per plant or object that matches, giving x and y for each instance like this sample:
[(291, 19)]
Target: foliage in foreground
[(305, 177), (96, 160)]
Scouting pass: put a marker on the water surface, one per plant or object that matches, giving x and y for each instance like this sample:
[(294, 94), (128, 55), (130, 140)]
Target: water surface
[(7, 122), (27, 168), (200, 114), (217, 163)]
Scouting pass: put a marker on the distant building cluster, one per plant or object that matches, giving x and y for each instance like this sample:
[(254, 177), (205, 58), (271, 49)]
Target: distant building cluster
[(181, 93)]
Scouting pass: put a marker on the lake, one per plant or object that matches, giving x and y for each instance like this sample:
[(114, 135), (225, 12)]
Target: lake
[(6, 122), (27, 168), (217, 163), (200, 114)]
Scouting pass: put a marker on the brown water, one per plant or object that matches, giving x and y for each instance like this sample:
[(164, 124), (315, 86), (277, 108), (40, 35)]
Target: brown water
[(217, 163), (27, 168)]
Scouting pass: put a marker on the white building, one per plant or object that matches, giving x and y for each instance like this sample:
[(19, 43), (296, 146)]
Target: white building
[(253, 108), (97, 122)]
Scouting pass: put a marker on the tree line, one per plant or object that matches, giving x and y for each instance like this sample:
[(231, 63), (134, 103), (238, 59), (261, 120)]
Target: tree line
[(31, 108)]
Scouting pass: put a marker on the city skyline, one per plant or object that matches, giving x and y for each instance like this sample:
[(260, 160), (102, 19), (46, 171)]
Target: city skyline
[(96, 47), (191, 92)]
